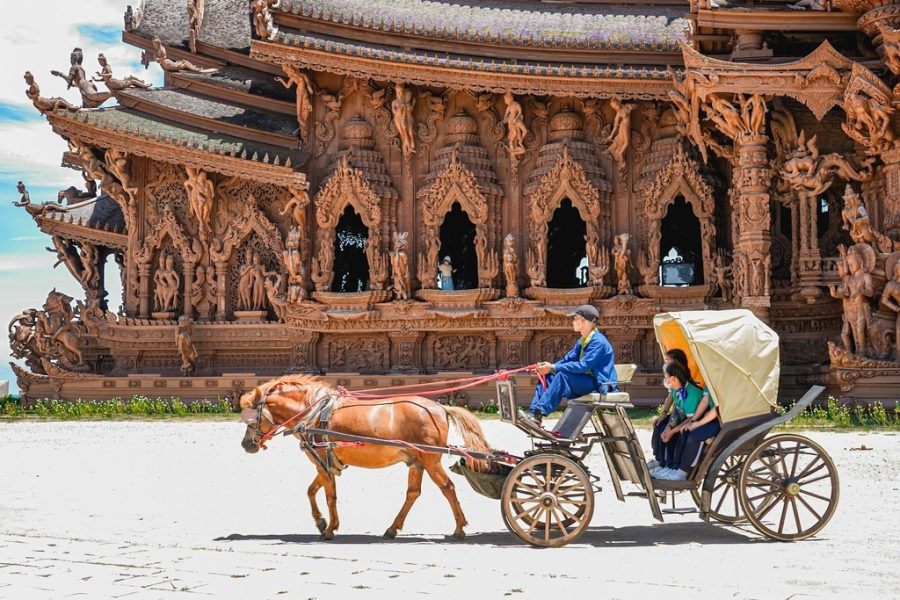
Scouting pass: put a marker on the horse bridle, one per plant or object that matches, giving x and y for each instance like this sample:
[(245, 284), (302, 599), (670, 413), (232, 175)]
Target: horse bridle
[(262, 412)]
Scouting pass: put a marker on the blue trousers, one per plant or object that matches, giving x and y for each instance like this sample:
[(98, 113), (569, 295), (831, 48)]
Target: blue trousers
[(559, 386), (663, 452), (689, 446)]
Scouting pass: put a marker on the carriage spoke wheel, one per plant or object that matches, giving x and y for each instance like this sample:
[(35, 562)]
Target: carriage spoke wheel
[(547, 500), (725, 501), (789, 487)]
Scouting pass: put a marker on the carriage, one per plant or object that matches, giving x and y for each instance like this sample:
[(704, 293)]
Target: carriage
[(784, 484)]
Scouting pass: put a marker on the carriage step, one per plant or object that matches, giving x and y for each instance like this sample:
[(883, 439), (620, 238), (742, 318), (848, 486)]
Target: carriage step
[(637, 494)]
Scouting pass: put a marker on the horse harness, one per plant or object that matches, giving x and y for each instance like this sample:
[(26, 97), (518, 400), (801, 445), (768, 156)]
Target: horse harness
[(324, 408)]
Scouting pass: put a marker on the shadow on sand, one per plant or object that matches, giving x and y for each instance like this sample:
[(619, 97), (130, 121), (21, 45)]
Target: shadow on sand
[(664, 534)]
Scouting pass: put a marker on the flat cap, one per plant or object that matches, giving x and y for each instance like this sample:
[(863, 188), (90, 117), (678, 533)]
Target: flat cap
[(586, 312)]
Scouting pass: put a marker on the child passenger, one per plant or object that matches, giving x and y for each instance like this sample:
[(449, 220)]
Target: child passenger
[(693, 421), (661, 421)]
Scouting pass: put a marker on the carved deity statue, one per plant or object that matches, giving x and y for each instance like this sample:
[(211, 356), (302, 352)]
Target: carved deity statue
[(262, 18), (622, 254), (890, 38), (185, 345), (869, 122), (251, 284), (203, 290), (724, 278), (40, 102), (511, 266), (174, 66), (115, 85), (806, 170), (401, 284), (200, 190), (90, 275), (402, 109), (305, 92), (515, 124), (725, 115), (42, 337), (854, 292), (620, 135), (167, 281), (77, 78), (291, 254), (890, 298)]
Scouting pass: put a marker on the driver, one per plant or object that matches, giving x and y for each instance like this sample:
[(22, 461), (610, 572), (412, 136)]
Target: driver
[(588, 367)]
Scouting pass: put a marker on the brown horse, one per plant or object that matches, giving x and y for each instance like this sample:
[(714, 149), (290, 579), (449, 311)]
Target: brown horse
[(292, 400)]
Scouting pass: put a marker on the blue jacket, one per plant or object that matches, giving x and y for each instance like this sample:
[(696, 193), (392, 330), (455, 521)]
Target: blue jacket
[(598, 359)]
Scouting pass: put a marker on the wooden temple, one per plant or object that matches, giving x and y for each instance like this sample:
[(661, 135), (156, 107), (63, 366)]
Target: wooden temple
[(284, 203)]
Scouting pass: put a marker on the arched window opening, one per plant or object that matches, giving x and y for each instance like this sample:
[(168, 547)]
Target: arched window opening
[(680, 246), (566, 247), (351, 267), (458, 242)]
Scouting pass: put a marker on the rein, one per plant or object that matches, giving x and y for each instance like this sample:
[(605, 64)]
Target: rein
[(276, 428)]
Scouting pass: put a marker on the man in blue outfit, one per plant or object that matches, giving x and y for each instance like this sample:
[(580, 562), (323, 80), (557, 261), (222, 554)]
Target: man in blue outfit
[(588, 367)]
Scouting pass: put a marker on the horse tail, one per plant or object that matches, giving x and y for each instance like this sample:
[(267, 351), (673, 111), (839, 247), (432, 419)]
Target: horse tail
[(472, 435)]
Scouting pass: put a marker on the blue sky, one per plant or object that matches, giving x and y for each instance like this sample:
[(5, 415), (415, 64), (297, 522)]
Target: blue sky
[(29, 150)]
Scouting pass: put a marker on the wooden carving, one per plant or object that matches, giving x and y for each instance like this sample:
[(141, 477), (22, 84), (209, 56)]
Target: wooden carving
[(262, 18), (201, 192), (511, 266), (856, 220), (305, 92), (42, 103), (167, 282), (890, 39), (400, 266), (854, 291), (195, 10), (515, 125), (112, 83), (402, 110), (620, 136), (175, 66), (48, 338), (185, 345), (623, 264), (77, 78)]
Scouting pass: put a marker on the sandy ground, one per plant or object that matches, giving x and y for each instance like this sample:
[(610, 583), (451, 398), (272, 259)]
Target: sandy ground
[(151, 510)]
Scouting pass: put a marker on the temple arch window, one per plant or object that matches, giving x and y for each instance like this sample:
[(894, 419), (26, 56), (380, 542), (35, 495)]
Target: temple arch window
[(566, 250), (457, 236), (680, 247), (351, 267)]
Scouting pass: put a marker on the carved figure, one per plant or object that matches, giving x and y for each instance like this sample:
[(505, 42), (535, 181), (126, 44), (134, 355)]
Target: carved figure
[(401, 284), (305, 93), (806, 170), (114, 85), (402, 108), (297, 205), (291, 254), (41, 103), (890, 298), (203, 290), (724, 278), (868, 122), (251, 285), (67, 253), (687, 110), (167, 282), (195, 10), (511, 266), (90, 276), (854, 292), (621, 130), (622, 255), (42, 337), (515, 123), (77, 78), (276, 300), (262, 18), (73, 195), (725, 115), (890, 39), (200, 190), (185, 345), (175, 66)]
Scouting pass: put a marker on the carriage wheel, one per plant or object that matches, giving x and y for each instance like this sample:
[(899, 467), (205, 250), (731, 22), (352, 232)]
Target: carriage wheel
[(547, 500), (725, 502), (789, 487)]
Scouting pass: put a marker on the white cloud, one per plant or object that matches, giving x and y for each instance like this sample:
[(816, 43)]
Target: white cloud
[(27, 238)]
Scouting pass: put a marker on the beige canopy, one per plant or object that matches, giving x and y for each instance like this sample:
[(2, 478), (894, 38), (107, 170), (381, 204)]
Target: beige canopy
[(735, 353)]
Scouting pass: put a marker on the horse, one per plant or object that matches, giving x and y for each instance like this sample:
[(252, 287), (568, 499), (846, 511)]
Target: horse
[(295, 399)]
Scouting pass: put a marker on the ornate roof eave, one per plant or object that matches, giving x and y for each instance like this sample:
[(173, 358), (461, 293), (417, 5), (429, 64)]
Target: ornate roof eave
[(483, 76), (82, 233), (776, 20), (69, 126), (816, 80)]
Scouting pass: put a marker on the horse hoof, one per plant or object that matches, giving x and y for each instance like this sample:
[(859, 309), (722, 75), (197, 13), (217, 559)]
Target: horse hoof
[(390, 534), (320, 524), (459, 535), (326, 535)]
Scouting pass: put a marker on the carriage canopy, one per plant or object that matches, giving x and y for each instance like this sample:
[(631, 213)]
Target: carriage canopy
[(734, 352)]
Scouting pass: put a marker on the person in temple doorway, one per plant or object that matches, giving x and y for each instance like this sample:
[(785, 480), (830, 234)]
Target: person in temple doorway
[(588, 367), (446, 270)]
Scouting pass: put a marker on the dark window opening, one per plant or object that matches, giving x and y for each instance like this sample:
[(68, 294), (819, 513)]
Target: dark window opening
[(823, 218), (458, 242), (351, 267), (680, 249), (784, 225), (566, 248)]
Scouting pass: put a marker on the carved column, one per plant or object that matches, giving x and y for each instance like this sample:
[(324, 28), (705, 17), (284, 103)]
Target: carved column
[(221, 291), (406, 350), (753, 239), (188, 303), (890, 207), (514, 348), (144, 294)]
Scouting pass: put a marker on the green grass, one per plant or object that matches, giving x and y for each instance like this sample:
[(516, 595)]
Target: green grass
[(137, 407)]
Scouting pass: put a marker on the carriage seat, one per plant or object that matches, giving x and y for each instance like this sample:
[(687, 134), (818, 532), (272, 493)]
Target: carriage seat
[(579, 410)]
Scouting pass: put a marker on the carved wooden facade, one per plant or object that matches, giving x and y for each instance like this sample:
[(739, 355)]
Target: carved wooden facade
[(230, 197)]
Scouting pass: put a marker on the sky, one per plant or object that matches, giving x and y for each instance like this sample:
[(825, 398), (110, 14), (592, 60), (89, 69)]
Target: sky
[(38, 39)]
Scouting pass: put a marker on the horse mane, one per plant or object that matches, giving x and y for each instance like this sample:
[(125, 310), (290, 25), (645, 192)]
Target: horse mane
[(250, 399)]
